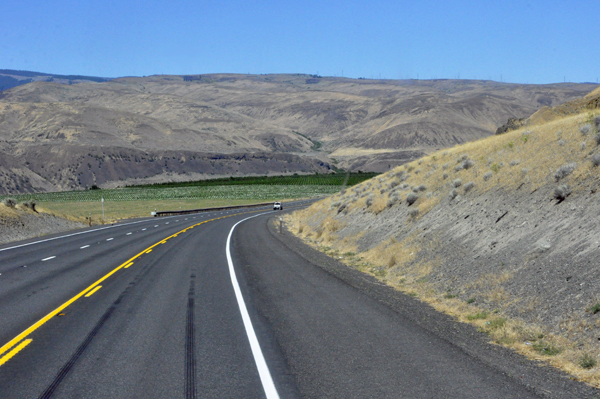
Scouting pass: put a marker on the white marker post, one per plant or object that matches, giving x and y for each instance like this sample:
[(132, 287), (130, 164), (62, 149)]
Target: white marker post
[(102, 201)]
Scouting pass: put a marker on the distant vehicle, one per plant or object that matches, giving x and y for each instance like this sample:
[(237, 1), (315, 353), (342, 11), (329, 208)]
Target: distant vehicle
[(277, 206)]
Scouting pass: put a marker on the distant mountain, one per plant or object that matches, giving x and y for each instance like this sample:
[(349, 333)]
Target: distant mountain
[(58, 136), (10, 78)]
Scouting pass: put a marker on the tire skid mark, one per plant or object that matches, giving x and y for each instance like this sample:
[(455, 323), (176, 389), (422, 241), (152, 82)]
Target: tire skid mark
[(190, 356)]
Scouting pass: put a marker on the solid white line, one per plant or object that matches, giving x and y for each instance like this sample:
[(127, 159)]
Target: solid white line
[(108, 239), (85, 246), (259, 359), (48, 258)]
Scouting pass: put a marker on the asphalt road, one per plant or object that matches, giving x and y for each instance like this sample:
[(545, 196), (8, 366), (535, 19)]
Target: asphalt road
[(176, 317)]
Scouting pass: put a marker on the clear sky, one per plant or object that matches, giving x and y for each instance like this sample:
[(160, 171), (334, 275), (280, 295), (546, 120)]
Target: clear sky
[(538, 41)]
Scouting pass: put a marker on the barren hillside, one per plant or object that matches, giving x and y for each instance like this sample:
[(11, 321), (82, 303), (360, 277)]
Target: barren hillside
[(502, 232), (56, 136)]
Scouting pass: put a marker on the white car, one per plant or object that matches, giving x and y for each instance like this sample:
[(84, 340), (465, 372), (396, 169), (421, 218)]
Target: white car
[(277, 206)]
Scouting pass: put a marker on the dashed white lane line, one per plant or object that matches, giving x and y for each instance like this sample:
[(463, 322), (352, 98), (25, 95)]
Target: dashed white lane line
[(48, 258), (167, 223), (143, 229), (84, 247), (156, 225), (128, 234), (109, 239)]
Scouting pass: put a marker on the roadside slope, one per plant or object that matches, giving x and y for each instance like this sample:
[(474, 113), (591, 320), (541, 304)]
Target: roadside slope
[(502, 233)]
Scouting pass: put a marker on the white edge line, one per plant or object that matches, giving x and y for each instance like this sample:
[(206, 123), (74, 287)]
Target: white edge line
[(85, 246), (48, 258), (259, 359)]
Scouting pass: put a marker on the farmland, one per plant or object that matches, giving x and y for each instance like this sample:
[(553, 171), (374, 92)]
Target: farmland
[(138, 201), (248, 188)]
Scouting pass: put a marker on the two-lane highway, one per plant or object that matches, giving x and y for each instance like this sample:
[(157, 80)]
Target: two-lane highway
[(219, 305)]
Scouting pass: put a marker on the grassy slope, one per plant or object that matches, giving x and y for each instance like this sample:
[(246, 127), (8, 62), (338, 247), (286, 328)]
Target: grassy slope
[(460, 255)]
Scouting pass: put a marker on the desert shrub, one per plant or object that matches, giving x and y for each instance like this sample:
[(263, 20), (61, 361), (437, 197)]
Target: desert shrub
[(487, 176), (469, 186), (597, 122), (453, 193), (496, 167), (587, 362), (514, 162), (457, 183), (561, 192), (382, 191), (477, 316), (595, 308), (391, 201), (417, 171), (9, 202), (595, 159), (561, 142), (545, 348), (413, 213), (420, 187), (411, 198), (334, 204), (29, 204), (343, 192), (369, 201), (341, 208), (585, 129), (403, 186), (445, 176), (445, 166), (583, 145), (564, 171), (525, 171), (597, 139), (393, 184)]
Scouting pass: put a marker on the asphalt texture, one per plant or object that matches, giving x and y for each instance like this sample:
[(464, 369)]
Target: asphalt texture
[(169, 325)]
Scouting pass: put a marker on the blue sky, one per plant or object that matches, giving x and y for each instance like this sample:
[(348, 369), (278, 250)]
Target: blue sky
[(514, 41)]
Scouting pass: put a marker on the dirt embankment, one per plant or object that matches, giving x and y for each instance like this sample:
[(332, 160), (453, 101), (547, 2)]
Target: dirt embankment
[(20, 224), (502, 233)]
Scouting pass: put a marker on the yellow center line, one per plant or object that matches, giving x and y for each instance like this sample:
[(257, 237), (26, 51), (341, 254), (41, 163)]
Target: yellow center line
[(93, 291), (13, 352), (127, 265)]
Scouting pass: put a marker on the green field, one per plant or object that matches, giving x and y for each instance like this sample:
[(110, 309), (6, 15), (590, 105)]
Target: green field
[(139, 201), (243, 188)]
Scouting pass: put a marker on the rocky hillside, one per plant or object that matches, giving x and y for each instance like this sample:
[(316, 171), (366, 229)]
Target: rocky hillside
[(501, 232), (56, 136)]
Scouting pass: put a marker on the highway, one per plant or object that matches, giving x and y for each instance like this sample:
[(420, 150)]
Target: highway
[(220, 305)]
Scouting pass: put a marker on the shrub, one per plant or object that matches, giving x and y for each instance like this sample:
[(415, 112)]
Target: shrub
[(585, 129), (393, 184), (595, 308), (595, 159), (392, 201), (477, 316), (562, 192), (9, 202), (469, 186), (564, 171), (514, 162), (413, 213), (597, 122), (369, 201), (411, 198), (342, 208), (587, 362), (445, 166), (525, 171), (457, 183), (421, 187), (453, 194), (583, 145), (496, 167), (597, 139), (561, 142), (445, 176), (487, 176), (29, 204), (545, 348), (471, 300)]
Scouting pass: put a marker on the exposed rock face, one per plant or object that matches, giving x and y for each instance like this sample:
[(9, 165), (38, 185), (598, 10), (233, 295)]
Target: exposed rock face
[(57, 136)]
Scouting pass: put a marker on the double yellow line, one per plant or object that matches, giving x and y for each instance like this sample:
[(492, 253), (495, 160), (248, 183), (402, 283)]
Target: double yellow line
[(20, 339)]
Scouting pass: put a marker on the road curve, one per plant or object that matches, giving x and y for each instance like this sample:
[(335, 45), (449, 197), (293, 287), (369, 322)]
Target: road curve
[(151, 310)]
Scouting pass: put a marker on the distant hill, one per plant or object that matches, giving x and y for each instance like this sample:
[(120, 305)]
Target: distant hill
[(56, 136), (10, 78)]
